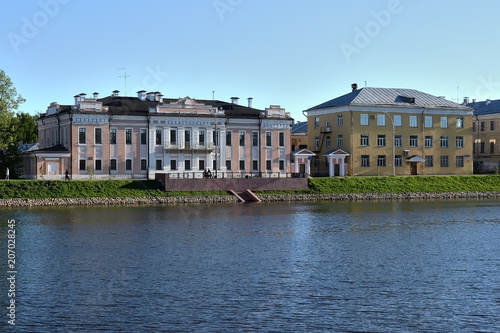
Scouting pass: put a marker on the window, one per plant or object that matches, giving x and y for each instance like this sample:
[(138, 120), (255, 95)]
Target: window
[(413, 121), (82, 135), (159, 165), (268, 165), (482, 148), (316, 122), (144, 164), (381, 160), (128, 136), (144, 136), (429, 161), (340, 140), (444, 141), (281, 139), (187, 138), (381, 119), (444, 161), (365, 160), (397, 120), (255, 165), (112, 164), (381, 140), (460, 162), (201, 165), (492, 147), (428, 141), (492, 125), (187, 165), (98, 165), (444, 122), (282, 165), (173, 136), (398, 141), (112, 136), (157, 136), (268, 139), (460, 141), (242, 165), (413, 141), (363, 119), (482, 126), (201, 138), (255, 139), (83, 165), (398, 160), (460, 122), (242, 138), (473, 127), (428, 121), (316, 142), (128, 164), (340, 120), (228, 165), (98, 136), (328, 141), (173, 165), (365, 140)]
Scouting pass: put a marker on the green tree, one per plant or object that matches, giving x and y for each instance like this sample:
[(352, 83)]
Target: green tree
[(9, 103), (25, 128)]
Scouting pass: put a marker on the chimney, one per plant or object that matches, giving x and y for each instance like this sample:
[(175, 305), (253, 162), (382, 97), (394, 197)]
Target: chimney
[(160, 98), (354, 86), (151, 96), (116, 93), (141, 94), (473, 100), (96, 95), (77, 98), (82, 96), (235, 100), (250, 99), (466, 100)]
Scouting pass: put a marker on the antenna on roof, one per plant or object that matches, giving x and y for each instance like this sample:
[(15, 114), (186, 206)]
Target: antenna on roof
[(213, 95), (124, 76)]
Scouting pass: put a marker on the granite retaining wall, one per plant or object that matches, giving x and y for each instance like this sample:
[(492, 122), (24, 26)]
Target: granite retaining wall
[(233, 199)]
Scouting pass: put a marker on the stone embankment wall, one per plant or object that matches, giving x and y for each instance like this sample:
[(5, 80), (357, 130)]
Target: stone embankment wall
[(115, 201), (233, 199)]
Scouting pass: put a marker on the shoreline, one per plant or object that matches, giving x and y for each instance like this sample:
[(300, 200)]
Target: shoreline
[(152, 200)]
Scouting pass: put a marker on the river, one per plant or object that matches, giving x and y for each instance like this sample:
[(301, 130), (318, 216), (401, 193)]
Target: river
[(425, 266)]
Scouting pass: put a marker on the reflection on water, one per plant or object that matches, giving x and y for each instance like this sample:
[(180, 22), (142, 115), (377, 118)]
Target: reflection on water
[(322, 267)]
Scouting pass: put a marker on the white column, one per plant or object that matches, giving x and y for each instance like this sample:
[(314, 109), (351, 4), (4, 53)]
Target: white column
[(342, 167), (222, 149), (330, 166)]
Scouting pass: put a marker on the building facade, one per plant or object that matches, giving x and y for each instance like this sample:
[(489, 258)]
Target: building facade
[(486, 133), (136, 137), (383, 131)]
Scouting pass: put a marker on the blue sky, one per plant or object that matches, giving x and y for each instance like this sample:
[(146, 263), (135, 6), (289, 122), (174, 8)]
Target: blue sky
[(293, 53)]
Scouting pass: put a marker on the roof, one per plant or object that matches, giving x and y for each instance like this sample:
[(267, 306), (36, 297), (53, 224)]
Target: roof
[(390, 97), (303, 151), (121, 105), (300, 127), (55, 149), (485, 107)]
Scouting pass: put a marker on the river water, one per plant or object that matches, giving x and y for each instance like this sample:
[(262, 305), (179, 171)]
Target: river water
[(321, 267)]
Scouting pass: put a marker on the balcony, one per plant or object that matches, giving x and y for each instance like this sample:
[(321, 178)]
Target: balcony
[(189, 146), (326, 129)]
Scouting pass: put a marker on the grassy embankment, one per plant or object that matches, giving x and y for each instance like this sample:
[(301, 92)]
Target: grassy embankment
[(128, 188)]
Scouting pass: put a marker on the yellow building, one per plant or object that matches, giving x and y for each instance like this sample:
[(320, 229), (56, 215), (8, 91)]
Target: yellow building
[(385, 131), (486, 129)]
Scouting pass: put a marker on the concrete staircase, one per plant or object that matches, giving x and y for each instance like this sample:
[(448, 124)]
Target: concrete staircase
[(245, 196)]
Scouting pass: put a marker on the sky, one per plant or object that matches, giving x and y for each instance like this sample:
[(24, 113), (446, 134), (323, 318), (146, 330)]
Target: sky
[(292, 53)]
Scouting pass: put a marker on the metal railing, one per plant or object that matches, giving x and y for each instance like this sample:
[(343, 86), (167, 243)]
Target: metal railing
[(231, 175)]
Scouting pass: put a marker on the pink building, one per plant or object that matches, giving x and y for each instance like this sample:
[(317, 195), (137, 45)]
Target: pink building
[(136, 137)]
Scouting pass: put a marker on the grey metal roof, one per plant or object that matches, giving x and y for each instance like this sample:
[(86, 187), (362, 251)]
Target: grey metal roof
[(390, 97), (485, 107), (300, 127)]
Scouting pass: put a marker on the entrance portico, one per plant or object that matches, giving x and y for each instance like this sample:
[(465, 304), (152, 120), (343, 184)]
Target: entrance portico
[(336, 162), (302, 161)]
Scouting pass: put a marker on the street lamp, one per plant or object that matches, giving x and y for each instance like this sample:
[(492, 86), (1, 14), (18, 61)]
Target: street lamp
[(393, 145)]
